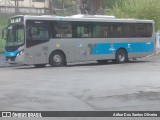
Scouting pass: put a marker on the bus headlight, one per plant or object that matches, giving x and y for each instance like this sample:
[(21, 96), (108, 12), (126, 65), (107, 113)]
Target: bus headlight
[(20, 53)]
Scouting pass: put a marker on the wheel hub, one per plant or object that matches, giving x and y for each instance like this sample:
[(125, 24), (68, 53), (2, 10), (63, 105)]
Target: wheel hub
[(121, 57), (57, 58)]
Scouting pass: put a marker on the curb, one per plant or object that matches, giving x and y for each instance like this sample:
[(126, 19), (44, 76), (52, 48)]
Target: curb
[(156, 53), (2, 62)]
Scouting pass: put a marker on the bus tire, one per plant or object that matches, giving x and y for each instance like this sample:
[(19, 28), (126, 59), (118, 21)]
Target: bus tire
[(57, 59), (121, 56), (40, 65)]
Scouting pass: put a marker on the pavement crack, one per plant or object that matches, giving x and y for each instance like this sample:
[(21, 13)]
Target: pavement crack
[(84, 101)]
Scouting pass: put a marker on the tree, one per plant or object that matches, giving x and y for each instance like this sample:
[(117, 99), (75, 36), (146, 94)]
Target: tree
[(139, 9), (62, 7), (111, 3), (92, 7)]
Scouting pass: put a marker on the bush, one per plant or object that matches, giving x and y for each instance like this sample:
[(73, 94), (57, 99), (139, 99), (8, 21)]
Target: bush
[(139, 9)]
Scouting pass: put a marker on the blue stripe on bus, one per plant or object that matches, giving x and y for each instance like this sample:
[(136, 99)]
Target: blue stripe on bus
[(111, 48), (11, 54)]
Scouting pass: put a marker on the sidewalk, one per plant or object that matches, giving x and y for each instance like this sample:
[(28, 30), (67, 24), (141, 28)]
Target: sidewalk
[(158, 50), (2, 61)]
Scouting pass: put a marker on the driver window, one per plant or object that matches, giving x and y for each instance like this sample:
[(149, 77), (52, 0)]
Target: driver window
[(20, 34)]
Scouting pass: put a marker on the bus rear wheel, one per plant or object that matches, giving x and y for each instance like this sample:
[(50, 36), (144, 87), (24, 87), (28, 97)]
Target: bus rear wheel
[(121, 56), (57, 59), (40, 65)]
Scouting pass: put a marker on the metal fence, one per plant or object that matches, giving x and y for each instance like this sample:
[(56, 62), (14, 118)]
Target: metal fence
[(2, 41)]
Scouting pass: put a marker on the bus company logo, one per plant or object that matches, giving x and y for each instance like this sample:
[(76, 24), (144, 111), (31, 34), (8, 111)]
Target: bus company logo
[(6, 114)]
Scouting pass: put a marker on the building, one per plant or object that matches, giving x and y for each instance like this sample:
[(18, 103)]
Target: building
[(25, 6)]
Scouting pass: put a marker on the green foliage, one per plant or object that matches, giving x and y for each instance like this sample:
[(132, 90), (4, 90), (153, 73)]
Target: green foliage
[(139, 9), (69, 6), (3, 23), (2, 44), (4, 19), (67, 3), (111, 3)]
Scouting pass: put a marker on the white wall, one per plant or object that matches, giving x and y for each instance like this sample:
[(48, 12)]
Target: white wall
[(26, 3)]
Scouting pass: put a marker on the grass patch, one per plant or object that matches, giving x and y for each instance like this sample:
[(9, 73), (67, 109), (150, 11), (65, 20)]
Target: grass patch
[(3, 23), (4, 19), (2, 45)]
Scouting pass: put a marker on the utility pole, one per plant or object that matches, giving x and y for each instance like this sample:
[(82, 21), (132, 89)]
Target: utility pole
[(84, 7), (5, 7), (78, 4), (53, 6), (16, 6), (64, 12), (30, 2)]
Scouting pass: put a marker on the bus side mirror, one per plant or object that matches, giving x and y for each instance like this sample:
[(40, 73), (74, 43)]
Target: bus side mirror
[(4, 33)]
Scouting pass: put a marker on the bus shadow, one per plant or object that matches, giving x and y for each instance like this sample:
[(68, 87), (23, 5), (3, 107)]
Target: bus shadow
[(140, 61), (83, 64), (109, 63)]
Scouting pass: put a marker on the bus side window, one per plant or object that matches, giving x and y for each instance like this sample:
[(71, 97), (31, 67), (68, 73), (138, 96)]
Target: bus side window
[(105, 31), (129, 30), (98, 31), (116, 30), (82, 31), (141, 30), (40, 33), (63, 30), (149, 30)]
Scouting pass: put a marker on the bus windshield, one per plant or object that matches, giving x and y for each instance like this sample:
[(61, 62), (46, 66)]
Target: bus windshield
[(15, 35)]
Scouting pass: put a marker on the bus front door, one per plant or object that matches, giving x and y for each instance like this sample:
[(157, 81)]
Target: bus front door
[(41, 55)]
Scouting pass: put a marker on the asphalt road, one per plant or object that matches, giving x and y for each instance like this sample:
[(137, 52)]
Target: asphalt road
[(134, 86)]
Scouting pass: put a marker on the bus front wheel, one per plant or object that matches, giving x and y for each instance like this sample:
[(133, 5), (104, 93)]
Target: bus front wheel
[(57, 59), (121, 56)]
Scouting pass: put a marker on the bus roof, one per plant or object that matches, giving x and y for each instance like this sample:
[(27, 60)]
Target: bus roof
[(85, 18)]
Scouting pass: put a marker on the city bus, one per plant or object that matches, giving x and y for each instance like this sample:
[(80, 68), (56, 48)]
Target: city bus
[(58, 40)]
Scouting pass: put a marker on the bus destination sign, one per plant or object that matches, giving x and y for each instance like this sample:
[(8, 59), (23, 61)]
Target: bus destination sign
[(16, 20)]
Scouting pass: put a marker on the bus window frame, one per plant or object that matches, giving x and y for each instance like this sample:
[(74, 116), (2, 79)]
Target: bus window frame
[(33, 42)]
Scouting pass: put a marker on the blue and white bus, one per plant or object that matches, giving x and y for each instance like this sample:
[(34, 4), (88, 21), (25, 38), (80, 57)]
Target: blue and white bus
[(56, 40)]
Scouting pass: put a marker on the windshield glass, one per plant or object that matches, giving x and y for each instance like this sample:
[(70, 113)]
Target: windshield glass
[(15, 35)]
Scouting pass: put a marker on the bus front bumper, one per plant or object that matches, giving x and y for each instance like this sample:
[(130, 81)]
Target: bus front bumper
[(15, 60)]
